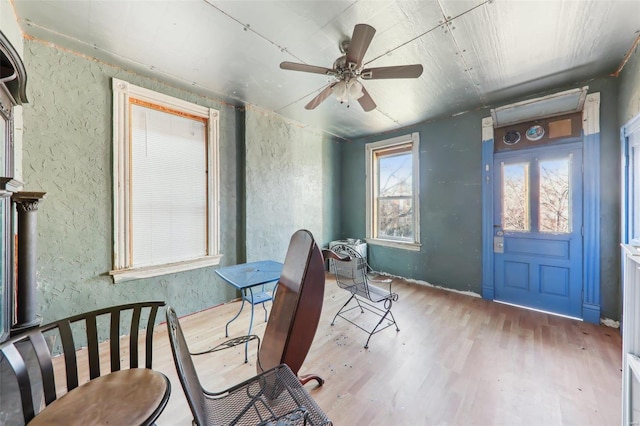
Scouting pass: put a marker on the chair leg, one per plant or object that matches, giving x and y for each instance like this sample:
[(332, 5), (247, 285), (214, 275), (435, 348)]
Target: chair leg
[(265, 311), (388, 311), (394, 320), (343, 306), (366, 345)]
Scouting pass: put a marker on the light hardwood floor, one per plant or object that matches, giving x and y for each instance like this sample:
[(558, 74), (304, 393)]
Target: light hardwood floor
[(457, 360)]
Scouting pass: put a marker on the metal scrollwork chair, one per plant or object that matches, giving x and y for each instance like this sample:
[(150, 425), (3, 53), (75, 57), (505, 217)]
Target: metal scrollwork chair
[(273, 397), (352, 276)]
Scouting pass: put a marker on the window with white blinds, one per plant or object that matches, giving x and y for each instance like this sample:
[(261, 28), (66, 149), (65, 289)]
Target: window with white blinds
[(166, 184), (168, 187)]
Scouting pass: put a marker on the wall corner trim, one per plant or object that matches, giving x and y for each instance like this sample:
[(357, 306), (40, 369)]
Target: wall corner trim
[(591, 313), (591, 114), (487, 128), (591, 221), (488, 290)]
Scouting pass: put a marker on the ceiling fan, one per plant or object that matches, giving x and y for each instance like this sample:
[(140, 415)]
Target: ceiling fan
[(348, 69)]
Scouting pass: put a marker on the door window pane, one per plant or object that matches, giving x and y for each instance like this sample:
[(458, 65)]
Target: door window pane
[(554, 196), (515, 197)]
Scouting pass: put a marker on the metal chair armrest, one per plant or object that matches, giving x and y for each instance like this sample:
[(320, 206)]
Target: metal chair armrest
[(330, 254)]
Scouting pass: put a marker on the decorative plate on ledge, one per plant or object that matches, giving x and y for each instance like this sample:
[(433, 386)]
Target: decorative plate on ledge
[(512, 137), (535, 133)]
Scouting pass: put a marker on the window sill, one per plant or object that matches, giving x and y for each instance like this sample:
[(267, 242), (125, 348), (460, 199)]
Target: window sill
[(394, 244), (130, 274)]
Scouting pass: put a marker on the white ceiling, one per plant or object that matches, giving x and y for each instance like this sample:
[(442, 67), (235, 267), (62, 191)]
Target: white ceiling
[(475, 53)]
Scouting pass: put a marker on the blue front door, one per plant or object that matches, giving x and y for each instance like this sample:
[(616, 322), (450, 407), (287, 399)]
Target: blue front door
[(538, 228)]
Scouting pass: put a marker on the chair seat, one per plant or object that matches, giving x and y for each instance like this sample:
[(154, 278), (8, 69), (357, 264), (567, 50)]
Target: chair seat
[(377, 294), (131, 396), (274, 397)]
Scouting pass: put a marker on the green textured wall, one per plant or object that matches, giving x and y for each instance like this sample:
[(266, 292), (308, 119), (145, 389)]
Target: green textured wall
[(68, 154), (609, 197), (629, 92), (450, 205), (291, 181)]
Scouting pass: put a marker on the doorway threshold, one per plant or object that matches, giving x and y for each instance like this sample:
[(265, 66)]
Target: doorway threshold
[(538, 310)]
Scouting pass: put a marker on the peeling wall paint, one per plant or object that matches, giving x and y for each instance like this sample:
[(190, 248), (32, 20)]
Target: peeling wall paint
[(427, 284), (68, 154), (610, 323), (290, 184)]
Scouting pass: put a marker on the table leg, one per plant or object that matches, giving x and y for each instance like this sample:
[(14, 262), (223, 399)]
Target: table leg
[(246, 345), (226, 328), (307, 377)]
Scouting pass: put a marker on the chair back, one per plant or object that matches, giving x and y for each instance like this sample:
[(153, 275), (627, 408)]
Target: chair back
[(186, 369), (351, 275), (30, 355)]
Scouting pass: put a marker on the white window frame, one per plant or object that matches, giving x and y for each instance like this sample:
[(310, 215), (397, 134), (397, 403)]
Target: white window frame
[(122, 235), (631, 182), (371, 149)]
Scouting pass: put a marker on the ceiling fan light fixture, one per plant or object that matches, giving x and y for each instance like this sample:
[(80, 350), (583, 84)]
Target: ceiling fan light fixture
[(340, 91), (355, 89), (345, 90)]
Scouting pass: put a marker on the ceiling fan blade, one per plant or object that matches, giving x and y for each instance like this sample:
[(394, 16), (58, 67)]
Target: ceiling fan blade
[(366, 102), (321, 97), (399, 71), (360, 40), (306, 68)]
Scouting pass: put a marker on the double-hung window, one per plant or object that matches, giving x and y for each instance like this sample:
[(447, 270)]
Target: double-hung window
[(393, 202), (165, 184)]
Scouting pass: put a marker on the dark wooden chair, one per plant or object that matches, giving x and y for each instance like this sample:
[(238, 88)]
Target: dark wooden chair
[(105, 389), (368, 293)]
